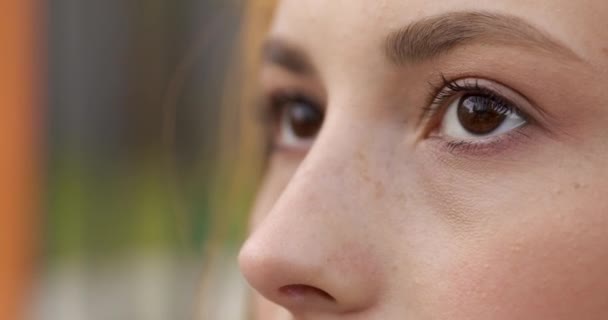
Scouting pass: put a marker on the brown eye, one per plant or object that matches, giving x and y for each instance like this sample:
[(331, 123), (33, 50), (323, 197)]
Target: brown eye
[(476, 116), (480, 115), (303, 119), (299, 123)]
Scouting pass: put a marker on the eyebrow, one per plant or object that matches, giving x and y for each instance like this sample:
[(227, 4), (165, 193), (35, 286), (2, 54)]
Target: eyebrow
[(437, 35), (281, 53)]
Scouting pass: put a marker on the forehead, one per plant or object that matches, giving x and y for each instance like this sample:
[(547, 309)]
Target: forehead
[(351, 28)]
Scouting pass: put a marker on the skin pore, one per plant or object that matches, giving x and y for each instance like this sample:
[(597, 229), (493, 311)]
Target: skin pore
[(433, 160)]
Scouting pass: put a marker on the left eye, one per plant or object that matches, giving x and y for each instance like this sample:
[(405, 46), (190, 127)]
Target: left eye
[(475, 116), (298, 124)]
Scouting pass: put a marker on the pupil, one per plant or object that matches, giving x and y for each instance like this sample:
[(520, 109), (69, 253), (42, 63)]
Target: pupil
[(479, 115), (304, 120)]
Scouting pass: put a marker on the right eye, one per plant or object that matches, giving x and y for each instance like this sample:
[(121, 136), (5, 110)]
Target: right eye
[(299, 122)]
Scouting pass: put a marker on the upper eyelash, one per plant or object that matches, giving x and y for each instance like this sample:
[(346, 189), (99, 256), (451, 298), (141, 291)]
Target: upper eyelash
[(448, 89), (269, 106)]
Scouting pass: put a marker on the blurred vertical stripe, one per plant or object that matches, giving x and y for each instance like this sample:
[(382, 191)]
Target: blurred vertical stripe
[(119, 241), (19, 152)]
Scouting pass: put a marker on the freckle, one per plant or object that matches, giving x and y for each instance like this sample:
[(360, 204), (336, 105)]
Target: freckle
[(605, 50), (557, 191), (379, 190), (363, 167), (577, 185), (361, 157)]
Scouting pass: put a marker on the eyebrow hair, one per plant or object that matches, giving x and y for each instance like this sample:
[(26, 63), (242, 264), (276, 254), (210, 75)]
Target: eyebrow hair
[(437, 35), (281, 53)]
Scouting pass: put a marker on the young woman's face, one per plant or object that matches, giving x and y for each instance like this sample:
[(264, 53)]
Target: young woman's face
[(434, 160)]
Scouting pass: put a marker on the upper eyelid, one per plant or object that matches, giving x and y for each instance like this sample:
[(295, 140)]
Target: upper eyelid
[(280, 53), (491, 87), (267, 102), (453, 89), (285, 95), (280, 81)]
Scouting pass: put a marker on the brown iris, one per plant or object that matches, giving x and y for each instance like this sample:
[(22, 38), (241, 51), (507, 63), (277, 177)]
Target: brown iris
[(480, 115), (304, 120)]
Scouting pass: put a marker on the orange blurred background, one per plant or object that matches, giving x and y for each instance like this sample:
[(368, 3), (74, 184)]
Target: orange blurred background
[(19, 152)]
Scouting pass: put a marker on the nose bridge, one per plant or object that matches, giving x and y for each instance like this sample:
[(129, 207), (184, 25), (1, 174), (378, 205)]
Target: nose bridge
[(315, 237)]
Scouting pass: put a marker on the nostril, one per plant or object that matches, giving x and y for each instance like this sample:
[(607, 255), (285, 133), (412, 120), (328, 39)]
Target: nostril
[(296, 291)]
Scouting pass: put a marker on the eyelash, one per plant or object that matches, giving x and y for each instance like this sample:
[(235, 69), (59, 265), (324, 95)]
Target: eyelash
[(490, 147), (445, 92), (270, 106)]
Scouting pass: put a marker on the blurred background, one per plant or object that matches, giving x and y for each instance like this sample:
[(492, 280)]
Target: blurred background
[(118, 122)]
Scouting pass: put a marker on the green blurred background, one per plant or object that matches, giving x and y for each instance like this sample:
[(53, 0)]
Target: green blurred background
[(131, 196)]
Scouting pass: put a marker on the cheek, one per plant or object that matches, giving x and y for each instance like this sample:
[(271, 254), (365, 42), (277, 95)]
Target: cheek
[(528, 237), (552, 267)]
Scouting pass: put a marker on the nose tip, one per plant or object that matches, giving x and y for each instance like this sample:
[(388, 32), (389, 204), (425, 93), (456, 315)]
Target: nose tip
[(296, 286)]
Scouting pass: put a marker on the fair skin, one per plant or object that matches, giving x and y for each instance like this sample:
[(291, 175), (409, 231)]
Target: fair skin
[(434, 160)]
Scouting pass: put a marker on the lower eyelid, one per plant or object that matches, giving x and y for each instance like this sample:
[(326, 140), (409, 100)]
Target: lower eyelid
[(487, 147)]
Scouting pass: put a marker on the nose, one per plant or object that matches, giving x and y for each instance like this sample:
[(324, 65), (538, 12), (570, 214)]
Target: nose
[(312, 253)]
